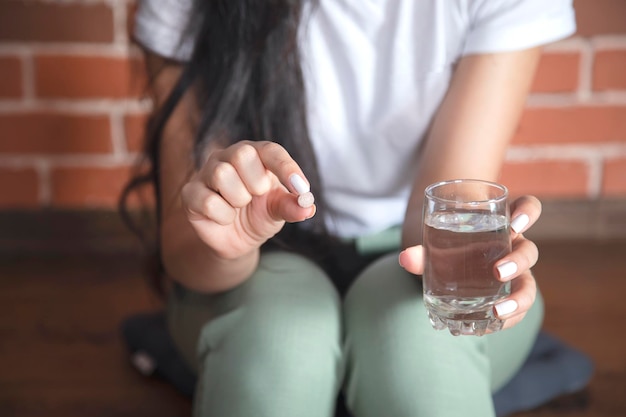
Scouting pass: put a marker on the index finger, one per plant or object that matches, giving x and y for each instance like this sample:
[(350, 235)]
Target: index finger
[(277, 160), (525, 211)]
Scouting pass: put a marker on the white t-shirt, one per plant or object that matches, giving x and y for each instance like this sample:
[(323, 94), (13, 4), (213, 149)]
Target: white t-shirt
[(375, 73)]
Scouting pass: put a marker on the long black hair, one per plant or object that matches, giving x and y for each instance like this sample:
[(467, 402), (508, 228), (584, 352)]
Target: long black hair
[(246, 76)]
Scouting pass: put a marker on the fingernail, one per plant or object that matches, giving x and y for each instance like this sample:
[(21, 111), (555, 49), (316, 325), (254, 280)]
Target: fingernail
[(313, 211), (306, 200), (507, 269), (299, 184), (506, 307), (400, 259), (519, 223)]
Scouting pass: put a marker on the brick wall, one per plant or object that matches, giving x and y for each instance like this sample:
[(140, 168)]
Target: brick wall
[(571, 142), (71, 111), (71, 107)]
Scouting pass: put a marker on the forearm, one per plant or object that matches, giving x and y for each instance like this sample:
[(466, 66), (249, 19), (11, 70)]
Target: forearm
[(473, 126), (186, 258)]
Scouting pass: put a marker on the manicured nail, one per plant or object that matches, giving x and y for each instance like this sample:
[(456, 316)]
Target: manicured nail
[(507, 269), (519, 223), (299, 184), (506, 307), (306, 200)]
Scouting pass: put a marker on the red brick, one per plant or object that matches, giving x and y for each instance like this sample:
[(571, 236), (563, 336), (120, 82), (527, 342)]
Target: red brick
[(20, 188), (598, 17), (134, 130), (72, 76), (44, 21), (572, 125), (95, 187), (546, 178), (54, 133), (557, 72), (10, 77), (609, 70), (614, 179), (88, 187)]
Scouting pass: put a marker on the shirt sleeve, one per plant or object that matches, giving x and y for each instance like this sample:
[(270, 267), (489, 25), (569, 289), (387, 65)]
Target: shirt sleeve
[(507, 25), (161, 26)]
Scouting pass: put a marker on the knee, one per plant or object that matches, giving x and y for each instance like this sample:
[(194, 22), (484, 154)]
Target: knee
[(396, 360), (292, 299), (383, 294), (288, 316), (385, 318)]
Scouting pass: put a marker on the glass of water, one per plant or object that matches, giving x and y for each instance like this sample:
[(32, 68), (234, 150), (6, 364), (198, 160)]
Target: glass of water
[(466, 230)]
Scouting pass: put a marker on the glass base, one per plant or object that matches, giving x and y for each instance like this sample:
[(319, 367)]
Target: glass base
[(465, 327)]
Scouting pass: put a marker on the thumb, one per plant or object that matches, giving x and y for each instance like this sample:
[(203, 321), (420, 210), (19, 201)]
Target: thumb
[(284, 207), (412, 259)]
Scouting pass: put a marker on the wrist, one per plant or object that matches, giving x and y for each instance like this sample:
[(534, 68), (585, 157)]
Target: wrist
[(200, 268)]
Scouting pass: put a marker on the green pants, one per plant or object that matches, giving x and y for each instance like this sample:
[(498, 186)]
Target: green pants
[(284, 344)]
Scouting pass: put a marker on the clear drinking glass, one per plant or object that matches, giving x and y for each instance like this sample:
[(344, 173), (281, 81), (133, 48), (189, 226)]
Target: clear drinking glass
[(466, 230)]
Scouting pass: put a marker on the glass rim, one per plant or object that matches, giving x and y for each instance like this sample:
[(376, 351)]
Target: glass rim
[(503, 196)]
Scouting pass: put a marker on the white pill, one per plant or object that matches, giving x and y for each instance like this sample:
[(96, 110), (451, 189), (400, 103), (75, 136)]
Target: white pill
[(306, 200)]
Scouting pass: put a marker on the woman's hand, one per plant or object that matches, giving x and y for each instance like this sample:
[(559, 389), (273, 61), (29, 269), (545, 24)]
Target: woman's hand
[(242, 196), (515, 267)]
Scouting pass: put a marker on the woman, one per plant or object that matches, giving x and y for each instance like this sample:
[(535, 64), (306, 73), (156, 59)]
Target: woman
[(277, 305)]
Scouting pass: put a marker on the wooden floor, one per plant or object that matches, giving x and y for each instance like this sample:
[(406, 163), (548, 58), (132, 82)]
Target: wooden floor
[(61, 354)]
